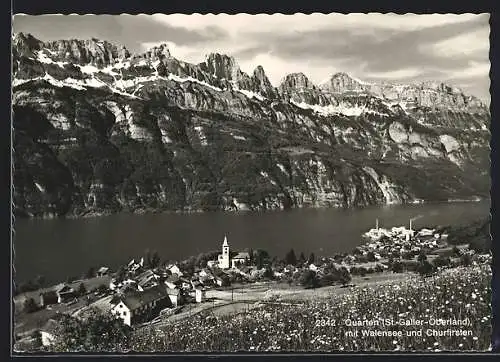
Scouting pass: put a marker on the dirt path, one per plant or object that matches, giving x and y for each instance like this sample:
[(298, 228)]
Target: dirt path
[(245, 297)]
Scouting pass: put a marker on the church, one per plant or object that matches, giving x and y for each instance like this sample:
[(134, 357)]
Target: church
[(227, 261)]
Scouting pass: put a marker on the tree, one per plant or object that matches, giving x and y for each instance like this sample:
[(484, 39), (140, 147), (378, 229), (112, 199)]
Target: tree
[(250, 260), (466, 260), (441, 261), (81, 289), (312, 259), (425, 268), (309, 279), (37, 338), (121, 274), (362, 271), (261, 258), (290, 258), (90, 273), (397, 266), (357, 252), (155, 260), (268, 273), (345, 276), (97, 333), (302, 258), (30, 305), (102, 289), (456, 251), (328, 279), (40, 281), (71, 279), (370, 256), (421, 256), (408, 255), (147, 259)]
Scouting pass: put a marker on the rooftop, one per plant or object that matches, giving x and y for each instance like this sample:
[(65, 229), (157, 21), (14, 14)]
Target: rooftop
[(136, 300), (242, 255)]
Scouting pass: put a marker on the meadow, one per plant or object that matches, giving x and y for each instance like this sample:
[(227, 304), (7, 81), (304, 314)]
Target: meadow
[(320, 325)]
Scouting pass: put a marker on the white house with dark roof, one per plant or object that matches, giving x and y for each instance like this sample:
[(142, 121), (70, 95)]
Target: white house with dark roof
[(173, 281), (239, 259), (175, 296), (102, 271), (174, 269), (141, 306)]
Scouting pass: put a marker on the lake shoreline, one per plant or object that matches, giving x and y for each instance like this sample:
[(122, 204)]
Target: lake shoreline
[(150, 211)]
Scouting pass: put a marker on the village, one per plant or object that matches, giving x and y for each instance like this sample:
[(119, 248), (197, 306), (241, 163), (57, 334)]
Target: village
[(145, 292)]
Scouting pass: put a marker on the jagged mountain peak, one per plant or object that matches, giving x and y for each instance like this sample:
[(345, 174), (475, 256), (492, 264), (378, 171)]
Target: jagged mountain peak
[(222, 66), (259, 71), (296, 80), (25, 43), (220, 58), (341, 82)]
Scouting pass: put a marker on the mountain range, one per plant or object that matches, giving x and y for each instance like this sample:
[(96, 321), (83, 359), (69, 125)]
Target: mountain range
[(98, 130)]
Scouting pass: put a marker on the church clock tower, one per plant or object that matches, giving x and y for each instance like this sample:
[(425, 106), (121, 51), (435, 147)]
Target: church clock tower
[(224, 258)]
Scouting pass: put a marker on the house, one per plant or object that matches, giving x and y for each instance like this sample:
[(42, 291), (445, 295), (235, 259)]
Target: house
[(113, 284), (173, 281), (65, 294), (212, 263), (196, 284), (185, 283), (313, 267), (137, 307), (175, 296), (222, 281), (102, 271), (48, 298), (200, 294), (208, 280), (135, 268), (147, 280), (174, 269), (205, 273), (239, 259)]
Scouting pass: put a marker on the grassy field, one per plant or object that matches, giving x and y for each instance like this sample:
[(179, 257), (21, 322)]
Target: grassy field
[(24, 322), (319, 323)]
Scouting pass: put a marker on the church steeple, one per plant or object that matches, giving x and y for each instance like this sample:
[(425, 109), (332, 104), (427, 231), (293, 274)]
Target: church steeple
[(225, 258)]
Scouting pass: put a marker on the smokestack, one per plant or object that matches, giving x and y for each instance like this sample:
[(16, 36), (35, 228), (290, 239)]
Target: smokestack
[(377, 224)]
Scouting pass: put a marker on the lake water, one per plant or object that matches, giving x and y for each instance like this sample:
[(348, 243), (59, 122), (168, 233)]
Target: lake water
[(61, 248)]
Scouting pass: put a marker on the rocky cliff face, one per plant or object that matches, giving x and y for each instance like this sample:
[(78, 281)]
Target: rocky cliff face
[(100, 130)]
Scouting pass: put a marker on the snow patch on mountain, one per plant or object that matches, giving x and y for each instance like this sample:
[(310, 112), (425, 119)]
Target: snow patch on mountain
[(191, 79), (343, 109), (250, 94), (43, 58), (236, 137)]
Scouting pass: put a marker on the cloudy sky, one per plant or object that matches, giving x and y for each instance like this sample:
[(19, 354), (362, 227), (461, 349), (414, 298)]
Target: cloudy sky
[(371, 47)]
